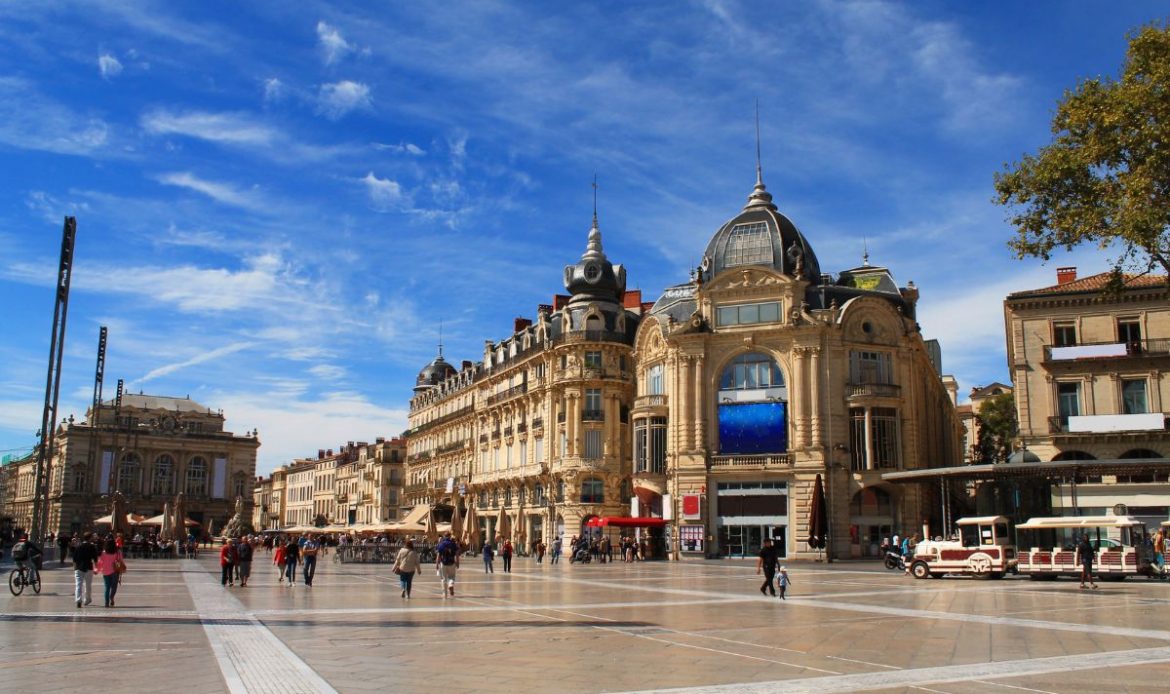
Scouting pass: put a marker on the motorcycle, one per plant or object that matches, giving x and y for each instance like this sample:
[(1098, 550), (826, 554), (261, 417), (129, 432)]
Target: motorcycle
[(895, 560)]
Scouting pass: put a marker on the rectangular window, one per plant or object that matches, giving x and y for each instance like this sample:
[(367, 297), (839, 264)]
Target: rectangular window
[(871, 368), (654, 382), (1133, 397), (1064, 334), (857, 439), (748, 314), (508, 456), (593, 360), (658, 445), (885, 437), (641, 461), (523, 460), (564, 444), (1129, 331), (593, 443), (593, 398), (540, 450), (1068, 401), (748, 244)]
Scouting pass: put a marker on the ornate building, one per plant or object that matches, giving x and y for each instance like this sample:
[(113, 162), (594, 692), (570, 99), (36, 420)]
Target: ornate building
[(539, 428), (149, 448), (760, 375)]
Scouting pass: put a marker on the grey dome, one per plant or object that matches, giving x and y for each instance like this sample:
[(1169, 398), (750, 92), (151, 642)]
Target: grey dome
[(761, 235), (594, 278), (434, 373)]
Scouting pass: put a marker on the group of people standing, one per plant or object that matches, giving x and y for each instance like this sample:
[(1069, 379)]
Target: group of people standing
[(88, 560)]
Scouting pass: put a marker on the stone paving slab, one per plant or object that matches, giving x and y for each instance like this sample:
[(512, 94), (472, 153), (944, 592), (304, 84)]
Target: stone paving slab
[(688, 627)]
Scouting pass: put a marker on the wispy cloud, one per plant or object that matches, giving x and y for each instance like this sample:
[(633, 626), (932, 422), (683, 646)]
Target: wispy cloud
[(333, 45), (385, 195), (30, 120), (337, 99), (400, 148), (220, 192), (201, 358), (109, 66), (233, 128), (273, 90)]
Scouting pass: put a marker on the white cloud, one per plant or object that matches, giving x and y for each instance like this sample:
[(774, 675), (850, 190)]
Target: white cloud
[(333, 45), (273, 90), (337, 99), (385, 194), (232, 128), (31, 121), (328, 372), (400, 148), (200, 358), (220, 192), (109, 66)]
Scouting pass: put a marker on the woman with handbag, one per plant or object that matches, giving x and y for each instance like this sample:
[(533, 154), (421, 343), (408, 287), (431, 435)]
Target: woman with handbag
[(111, 566), (406, 565)]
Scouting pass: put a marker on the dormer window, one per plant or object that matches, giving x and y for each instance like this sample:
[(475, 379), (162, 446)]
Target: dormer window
[(748, 244)]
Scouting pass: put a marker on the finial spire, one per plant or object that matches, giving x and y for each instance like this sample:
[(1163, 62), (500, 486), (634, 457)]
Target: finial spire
[(594, 199), (864, 251), (440, 337), (759, 166), (760, 197)]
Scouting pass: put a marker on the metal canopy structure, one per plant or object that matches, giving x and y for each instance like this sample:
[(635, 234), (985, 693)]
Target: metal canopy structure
[(1057, 470)]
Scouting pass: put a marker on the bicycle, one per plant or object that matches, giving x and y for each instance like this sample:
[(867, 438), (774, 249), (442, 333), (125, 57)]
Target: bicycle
[(20, 577)]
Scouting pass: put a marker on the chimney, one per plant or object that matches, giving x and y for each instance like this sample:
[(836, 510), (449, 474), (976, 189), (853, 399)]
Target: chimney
[(466, 364), (380, 439), (632, 299), (1064, 275), (521, 324), (560, 301), (320, 453)]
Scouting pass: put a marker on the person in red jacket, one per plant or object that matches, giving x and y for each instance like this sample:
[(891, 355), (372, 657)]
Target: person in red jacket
[(227, 563)]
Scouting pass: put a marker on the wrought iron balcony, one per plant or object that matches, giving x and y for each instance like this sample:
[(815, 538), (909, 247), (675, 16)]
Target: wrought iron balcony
[(593, 415), (507, 394)]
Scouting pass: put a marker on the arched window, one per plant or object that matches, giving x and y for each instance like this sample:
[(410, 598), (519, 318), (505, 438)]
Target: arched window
[(1142, 477), (508, 497), (162, 480), (538, 494), (129, 474), (871, 502), (592, 491), (751, 371), (495, 498), (196, 485), (752, 406), (523, 493)]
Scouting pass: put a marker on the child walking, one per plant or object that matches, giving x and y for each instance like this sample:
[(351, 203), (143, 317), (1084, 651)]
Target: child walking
[(783, 581)]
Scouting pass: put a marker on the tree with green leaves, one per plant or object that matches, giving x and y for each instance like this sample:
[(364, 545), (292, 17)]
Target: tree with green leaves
[(997, 428), (1105, 178)]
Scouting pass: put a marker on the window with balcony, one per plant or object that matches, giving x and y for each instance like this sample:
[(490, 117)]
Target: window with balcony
[(654, 381), (1064, 334), (1068, 402), (1129, 331), (593, 445), (540, 450), (523, 456), (1133, 396), (871, 368), (508, 497), (592, 491), (538, 494), (593, 411)]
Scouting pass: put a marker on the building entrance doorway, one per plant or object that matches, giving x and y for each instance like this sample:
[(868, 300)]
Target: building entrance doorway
[(747, 540)]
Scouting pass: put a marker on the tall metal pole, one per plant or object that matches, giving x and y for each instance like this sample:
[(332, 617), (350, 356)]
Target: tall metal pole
[(92, 459), (53, 382)]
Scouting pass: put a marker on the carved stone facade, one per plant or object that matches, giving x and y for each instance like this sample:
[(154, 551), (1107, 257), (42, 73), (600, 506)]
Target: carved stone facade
[(150, 448)]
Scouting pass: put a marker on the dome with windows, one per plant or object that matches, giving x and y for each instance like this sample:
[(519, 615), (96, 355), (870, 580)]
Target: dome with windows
[(434, 373), (761, 235)]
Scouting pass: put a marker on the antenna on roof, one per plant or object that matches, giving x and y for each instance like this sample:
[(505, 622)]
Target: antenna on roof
[(594, 198), (440, 337), (759, 166)]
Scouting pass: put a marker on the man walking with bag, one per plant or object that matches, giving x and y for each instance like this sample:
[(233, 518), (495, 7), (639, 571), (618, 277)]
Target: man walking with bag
[(447, 563), (84, 557)]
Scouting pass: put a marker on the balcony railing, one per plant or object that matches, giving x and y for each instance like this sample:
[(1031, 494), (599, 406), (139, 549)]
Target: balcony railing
[(593, 415), (560, 417), (521, 428), (765, 461), (508, 394), (1108, 350), (650, 401), (507, 432), (577, 336), (451, 447), (874, 390), (538, 423), (442, 420)]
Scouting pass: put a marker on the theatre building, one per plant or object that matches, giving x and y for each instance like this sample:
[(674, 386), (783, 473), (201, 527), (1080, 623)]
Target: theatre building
[(767, 387)]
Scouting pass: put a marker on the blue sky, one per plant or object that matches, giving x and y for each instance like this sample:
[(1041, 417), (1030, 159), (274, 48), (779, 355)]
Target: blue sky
[(278, 202)]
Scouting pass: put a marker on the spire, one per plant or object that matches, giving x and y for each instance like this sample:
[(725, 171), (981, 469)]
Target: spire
[(593, 249), (760, 196), (864, 252), (595, 200), (440, 338)]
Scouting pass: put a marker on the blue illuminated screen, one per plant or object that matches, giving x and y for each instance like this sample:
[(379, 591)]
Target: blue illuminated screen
[(755, 427)]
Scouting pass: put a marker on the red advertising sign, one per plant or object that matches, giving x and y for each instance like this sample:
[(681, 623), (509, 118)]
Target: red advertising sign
[(691, 506)]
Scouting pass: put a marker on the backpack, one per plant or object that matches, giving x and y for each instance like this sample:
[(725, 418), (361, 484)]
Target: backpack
[(447, 554), (20, 550)]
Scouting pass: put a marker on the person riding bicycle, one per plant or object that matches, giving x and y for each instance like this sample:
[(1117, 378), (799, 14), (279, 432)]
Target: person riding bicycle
[(27, 555)]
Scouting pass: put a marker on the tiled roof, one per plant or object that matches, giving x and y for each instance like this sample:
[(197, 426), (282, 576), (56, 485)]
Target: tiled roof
[(1096, 283)]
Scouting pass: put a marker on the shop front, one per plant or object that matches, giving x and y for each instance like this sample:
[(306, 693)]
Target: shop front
[(749, 512)]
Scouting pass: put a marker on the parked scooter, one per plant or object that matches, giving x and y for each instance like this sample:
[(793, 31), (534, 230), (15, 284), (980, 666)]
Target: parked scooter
[(894, 560)]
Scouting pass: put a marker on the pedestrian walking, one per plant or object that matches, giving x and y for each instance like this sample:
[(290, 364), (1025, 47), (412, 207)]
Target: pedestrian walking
[(784, 581), (309, 552), (406, 565), (555, 558), (278, 561), (111, 565), (292, 557), (244, 553), (447, 564), (507, 555), (84, 557), (63, 542), (1085, 550), (488, 555), (227, 563), (767, 564)]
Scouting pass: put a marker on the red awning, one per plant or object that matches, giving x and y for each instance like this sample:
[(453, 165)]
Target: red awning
[(618, 522)]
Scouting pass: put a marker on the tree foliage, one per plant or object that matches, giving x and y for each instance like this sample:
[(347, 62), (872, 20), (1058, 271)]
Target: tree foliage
[(996, 421), (1105, 178)]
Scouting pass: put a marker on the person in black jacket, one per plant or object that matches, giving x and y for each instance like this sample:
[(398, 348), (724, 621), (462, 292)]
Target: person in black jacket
[(1086, 552), (84, 556)]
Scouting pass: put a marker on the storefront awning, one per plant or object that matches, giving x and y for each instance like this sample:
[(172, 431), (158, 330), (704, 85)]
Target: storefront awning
[(618, 522)]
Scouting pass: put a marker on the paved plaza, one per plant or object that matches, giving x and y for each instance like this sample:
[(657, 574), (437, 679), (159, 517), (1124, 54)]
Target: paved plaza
[(690, 626)]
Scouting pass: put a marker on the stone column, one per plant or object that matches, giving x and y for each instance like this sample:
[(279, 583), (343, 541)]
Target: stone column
[(869, 463), (701, 403), (796, 397), (815, 396), (686, 406)]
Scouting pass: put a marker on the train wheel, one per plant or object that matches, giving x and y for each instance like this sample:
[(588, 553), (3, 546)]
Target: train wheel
[(919, 569)]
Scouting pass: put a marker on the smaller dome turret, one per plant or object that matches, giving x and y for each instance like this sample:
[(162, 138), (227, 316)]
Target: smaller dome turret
[(594, 278), (433, 374)]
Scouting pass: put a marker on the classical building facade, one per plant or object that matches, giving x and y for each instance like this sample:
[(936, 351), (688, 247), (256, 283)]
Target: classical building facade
[(1090, 371), (760, 375), (359, 485), (539, 429), (149, 448)]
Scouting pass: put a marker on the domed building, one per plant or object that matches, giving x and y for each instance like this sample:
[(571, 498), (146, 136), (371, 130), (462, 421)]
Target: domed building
[(771, 398), (535, 435)]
